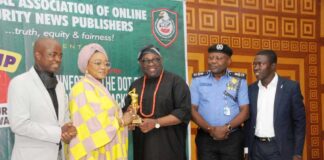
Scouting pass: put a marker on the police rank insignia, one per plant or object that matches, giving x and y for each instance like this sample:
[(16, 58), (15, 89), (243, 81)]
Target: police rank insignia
[(232, 84), (219, 47), (237, 74), (199, 74)]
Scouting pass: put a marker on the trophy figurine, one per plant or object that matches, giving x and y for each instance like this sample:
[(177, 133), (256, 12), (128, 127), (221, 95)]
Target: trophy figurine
[(134, 105)]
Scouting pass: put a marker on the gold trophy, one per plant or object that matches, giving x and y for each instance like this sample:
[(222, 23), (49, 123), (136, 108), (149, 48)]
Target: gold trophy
[(135, 106)]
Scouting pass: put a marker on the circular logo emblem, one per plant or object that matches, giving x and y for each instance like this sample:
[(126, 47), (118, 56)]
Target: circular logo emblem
[(164, 25), (219, 47)]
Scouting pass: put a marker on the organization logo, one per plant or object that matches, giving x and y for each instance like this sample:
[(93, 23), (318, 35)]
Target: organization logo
[(9, 61), (165, 26)]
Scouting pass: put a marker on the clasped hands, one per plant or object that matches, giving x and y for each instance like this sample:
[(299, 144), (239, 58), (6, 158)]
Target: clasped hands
[(147, 125), (219, 132), (68, 131)]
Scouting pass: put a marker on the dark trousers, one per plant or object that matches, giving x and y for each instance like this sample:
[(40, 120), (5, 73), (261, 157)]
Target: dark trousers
[(265, 151), (229, 149)]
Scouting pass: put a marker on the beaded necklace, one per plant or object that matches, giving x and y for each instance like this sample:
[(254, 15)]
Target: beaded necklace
[(154, 96)]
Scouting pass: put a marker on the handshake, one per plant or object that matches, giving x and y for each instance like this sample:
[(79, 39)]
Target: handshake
[(68, 132)]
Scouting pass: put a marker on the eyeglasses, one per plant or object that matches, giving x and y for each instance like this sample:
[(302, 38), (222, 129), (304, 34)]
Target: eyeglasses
[(148, 61), (100, 63)]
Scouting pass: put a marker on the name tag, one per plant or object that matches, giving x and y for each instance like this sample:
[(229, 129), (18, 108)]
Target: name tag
[(205, 84), (227, 111)]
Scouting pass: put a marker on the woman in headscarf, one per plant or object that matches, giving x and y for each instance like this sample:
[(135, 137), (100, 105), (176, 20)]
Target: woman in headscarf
[(100, 123)]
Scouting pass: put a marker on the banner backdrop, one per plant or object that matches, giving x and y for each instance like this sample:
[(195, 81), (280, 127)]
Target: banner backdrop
[(121, 27)]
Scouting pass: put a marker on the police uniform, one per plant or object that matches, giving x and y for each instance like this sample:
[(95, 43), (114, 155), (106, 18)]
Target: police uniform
[(218, 102)]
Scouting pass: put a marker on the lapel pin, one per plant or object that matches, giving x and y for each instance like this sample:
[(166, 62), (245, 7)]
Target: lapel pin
[(281, 86)]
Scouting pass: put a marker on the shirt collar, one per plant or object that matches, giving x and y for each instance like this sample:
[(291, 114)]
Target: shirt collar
[(272, 84), (226, 75), (49, 80)]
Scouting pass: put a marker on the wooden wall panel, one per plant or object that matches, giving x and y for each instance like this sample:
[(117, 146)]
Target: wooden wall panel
[(293, 28)]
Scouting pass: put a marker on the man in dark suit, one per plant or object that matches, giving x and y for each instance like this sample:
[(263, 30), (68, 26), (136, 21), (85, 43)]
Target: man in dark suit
[(276, 128)]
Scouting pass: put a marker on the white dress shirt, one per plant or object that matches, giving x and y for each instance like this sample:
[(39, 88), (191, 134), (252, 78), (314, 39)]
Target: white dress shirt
[(265, 109)]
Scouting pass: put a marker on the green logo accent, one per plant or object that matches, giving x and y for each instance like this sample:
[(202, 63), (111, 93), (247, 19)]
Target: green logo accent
[(165, 26)]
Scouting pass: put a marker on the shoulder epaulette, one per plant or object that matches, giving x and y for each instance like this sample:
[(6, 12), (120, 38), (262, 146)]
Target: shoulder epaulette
[(199, 74), (237, 74)]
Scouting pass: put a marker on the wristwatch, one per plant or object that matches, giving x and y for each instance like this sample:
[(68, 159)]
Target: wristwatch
[(229, 127), (157, 124)]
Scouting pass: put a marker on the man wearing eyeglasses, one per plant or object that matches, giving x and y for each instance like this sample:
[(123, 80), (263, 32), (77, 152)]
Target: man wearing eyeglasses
[(164, 106), (38, 113), (219, 107)]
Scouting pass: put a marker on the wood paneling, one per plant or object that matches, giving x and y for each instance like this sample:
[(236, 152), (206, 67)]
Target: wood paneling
[(292, 28)]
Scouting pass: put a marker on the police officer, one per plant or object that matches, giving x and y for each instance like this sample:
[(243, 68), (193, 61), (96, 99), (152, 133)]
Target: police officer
[(219, 107)]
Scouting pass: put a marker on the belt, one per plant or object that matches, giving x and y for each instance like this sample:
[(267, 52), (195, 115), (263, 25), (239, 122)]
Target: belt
[(233, 130), (265, 139)]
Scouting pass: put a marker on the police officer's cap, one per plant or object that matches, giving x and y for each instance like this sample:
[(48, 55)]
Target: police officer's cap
[(222, 48), (148, 49)]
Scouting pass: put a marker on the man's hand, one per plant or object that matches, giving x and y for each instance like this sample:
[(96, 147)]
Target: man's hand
[(147, 125), (131, 127), (219, 132), (68, 132), (246, 153), (246, 156)]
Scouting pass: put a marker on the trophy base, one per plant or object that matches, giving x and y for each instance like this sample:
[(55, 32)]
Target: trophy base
[(137, 121)]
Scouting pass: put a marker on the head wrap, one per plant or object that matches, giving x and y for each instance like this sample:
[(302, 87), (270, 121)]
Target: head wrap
[(222, 48), (85, 54), (148, 49)]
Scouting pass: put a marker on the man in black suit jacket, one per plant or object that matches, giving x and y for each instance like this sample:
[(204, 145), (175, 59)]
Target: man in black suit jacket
[(276, 128)]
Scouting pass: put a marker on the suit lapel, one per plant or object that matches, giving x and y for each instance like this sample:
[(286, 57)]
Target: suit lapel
[(61, 102), (254, 99), (43, 90), (255, 94), (279, 91)]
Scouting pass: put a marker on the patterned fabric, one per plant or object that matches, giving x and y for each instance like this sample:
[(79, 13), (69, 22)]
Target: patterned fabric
[(95, 113)]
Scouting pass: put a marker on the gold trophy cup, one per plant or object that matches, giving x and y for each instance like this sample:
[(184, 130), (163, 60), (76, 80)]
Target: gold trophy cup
[(135, 106)]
